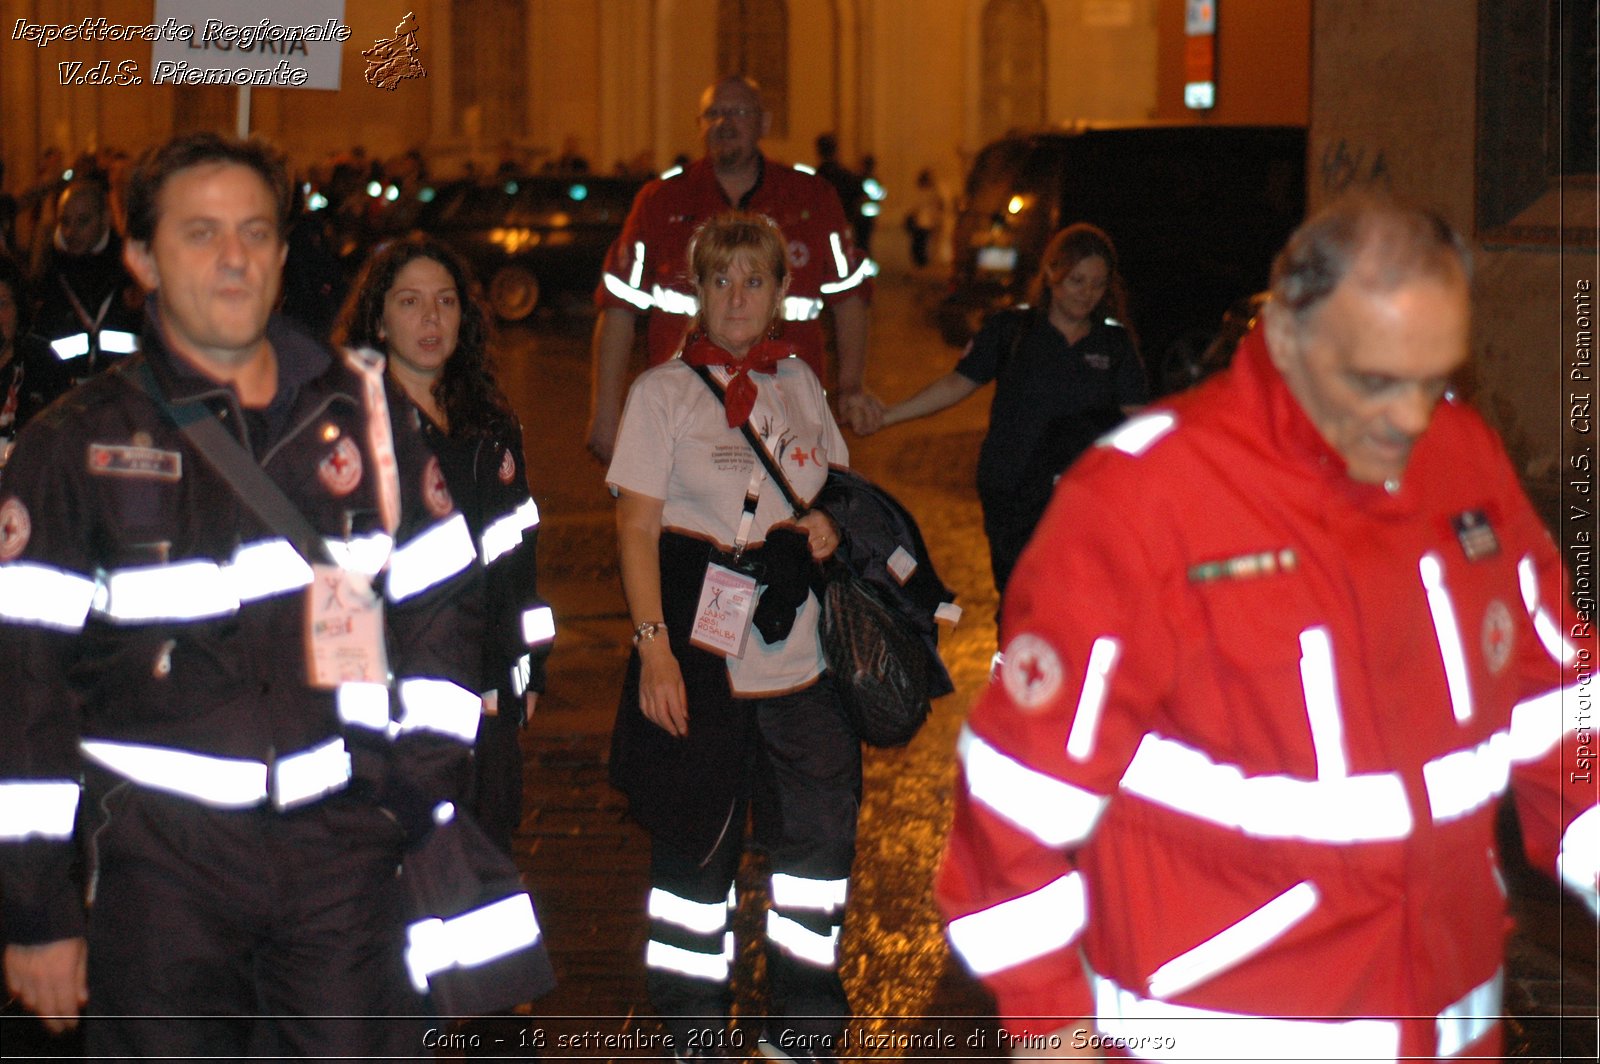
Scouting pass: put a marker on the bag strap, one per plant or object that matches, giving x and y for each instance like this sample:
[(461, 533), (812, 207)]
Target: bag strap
[(757, 445), (226, 456)]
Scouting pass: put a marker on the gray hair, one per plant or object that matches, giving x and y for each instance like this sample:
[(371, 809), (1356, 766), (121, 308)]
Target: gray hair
[(1392, 241)]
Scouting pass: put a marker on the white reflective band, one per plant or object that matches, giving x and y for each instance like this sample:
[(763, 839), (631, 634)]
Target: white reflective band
[(1146, 1024), (1365, 808), (504, 534), (42, 809), (74, 346), (1448, 634), (868, 268), (1555, 643), (1464, 780), (1013, 932), (117, 342), (438, 706), (269, 567), (1139, 434), (1092, 699), (802, 308), (804, 169), (1578, 863), (1322, 703), (701, 917), (811, 895), (800, 941), (470, 940), (620, 288), (521, 675), (183, 591), (636, 277), (363, 705), (38, 594), (664, 957), (674, 302), (1235, 943), (1538, 723), (841, 261), (538, 625), (225, 782), (1051, 810), (310, 774), (431, 558), (1466, 1021), (366, 555), (673, 172)]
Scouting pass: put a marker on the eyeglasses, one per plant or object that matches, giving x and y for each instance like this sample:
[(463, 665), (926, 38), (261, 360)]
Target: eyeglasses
[(716, 114)]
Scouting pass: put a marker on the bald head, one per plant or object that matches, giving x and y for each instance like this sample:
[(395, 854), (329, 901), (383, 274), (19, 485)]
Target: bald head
[(732, 122)]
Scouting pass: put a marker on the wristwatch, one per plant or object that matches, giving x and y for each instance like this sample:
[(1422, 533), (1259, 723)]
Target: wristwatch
[(645, 631)]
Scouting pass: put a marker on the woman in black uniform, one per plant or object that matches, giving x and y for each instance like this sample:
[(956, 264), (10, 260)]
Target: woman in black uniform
[(1066, 370), (414, 301)]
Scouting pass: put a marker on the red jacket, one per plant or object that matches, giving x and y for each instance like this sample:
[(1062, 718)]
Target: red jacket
[(1243, 754), (647, 269)]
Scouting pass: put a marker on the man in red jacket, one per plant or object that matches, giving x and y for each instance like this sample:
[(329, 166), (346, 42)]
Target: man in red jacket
[(1231, 794), (646, 272)]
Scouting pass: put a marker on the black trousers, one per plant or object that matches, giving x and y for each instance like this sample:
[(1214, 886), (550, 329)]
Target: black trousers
[(218, 934), (807, 794), (496, 793)]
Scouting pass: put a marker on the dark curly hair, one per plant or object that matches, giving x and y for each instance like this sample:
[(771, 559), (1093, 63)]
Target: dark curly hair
[(466, 390)]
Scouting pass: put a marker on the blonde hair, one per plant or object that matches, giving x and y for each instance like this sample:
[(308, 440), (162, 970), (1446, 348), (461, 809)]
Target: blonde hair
[(721, 239)]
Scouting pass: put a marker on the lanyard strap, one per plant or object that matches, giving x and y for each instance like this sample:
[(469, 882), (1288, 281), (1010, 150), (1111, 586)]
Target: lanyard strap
[(368, 364)]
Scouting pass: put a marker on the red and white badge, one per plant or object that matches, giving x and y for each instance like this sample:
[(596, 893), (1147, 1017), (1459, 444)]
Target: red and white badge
[(340, 472), (1032, 672), (1498, 636), (435, 492), (508, 467), (15, 528)]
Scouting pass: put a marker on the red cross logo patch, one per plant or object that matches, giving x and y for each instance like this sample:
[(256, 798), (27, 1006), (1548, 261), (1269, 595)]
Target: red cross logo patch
[(508, 468), (1498, 635), (1032, 672), (435, 492), (340, 471), (799, 254), (14, 528)]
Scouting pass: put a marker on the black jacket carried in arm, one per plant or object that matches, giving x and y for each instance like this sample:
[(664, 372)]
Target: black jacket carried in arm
[(144, 606)]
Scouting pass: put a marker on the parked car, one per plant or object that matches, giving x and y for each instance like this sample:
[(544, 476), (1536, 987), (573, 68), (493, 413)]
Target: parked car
[(530, 237), (1196, 212)]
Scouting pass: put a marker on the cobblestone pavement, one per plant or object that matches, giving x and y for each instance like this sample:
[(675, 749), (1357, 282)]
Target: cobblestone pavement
[(587, 862)]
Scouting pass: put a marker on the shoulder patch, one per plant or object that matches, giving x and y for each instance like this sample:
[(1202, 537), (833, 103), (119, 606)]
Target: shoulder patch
[(340, 471), (435, 492), (15, 528), (508, 467), (1139, 434), (1031, 672)]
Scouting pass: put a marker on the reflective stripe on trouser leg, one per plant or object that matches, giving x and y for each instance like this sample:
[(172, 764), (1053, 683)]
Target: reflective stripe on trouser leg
[(808, 787), (690, 953)]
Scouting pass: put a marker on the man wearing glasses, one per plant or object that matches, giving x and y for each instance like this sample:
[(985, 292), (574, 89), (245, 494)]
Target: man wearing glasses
[(646, 271)]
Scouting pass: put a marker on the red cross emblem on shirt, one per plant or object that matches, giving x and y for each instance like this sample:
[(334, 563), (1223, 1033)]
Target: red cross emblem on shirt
[(1032, 671), (15, 527)]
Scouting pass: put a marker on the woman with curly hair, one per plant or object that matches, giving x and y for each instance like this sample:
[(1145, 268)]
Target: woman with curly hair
[(415, 302)]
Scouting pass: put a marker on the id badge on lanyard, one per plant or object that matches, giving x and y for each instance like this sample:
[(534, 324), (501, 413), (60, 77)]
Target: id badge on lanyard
[(344, 629), (728, 592)]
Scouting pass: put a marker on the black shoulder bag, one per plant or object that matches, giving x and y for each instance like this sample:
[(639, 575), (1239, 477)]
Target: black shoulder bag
[(875, 654), (455, 875)]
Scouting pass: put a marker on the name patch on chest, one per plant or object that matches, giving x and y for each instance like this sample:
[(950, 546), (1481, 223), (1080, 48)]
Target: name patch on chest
[(1245, 566), (1476, 535), (1097, 360), (127, 460)]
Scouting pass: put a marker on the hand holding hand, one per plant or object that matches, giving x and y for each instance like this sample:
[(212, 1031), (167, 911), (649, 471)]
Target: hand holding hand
[(861, 412)]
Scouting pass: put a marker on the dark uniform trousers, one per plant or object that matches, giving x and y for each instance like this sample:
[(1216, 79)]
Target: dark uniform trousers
[(807, 795), (217, 934)]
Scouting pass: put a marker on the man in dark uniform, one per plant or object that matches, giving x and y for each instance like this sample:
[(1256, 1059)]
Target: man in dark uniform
[(175, 676)]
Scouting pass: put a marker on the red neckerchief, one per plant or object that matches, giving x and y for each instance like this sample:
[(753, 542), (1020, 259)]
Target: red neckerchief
[(762, 357)]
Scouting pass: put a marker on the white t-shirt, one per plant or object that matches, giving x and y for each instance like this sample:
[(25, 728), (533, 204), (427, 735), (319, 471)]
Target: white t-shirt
[(675, 445)]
